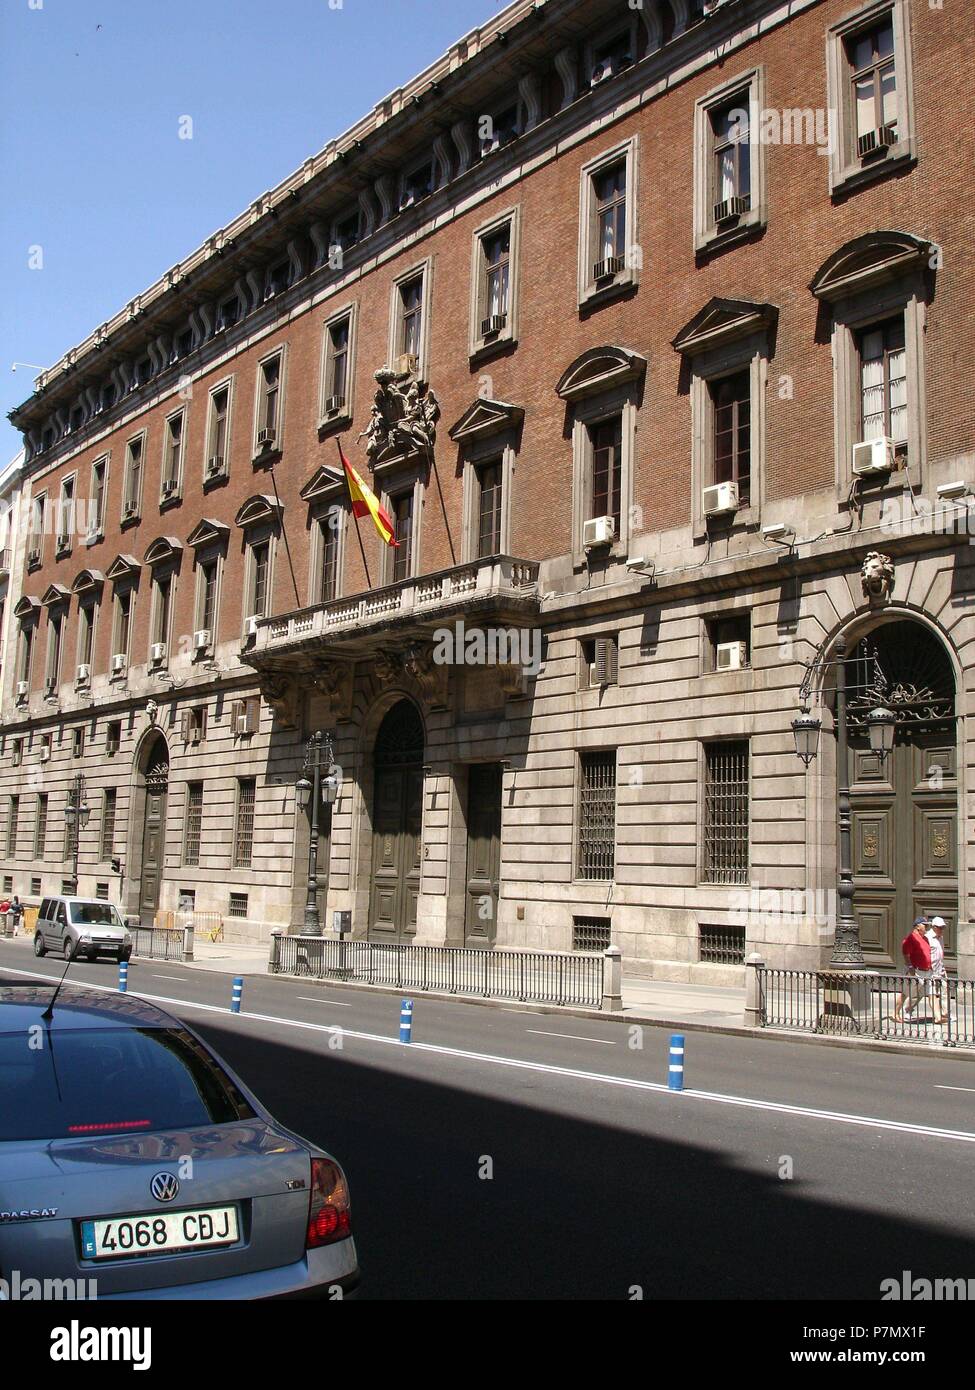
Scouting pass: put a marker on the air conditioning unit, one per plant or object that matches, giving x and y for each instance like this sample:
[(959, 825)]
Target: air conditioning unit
[(118, 662), (92, 535), (721, 497), (111, 747), (493, 325), (873, 456), (22, 689), (266, 437), (608, 67), (214, 465), (128, 510), (33, 557), (405, 363), (731, 656), (64, 540), (334, 404), (157, 653), (599, 530), (84, 674), (195, 733), (604, 270), (169, 487), (730, 209), (50, 685), (876, 142), (201, 639), (241, 725), (250, 625), (44, 752)]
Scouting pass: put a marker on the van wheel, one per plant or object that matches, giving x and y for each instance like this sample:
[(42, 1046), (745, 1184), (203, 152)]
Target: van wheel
[(70, 949), (39, 948)]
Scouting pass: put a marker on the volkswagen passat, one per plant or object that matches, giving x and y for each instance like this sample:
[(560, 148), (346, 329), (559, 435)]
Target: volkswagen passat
[(132, 1156)]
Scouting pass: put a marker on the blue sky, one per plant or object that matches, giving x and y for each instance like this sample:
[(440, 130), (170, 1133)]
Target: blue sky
[(94, 171)]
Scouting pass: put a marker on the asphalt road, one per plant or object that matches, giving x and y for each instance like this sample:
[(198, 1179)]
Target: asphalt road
[(509, 1154)]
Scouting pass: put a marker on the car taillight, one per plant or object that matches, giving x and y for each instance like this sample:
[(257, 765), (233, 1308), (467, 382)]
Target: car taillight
[(329, 1214)]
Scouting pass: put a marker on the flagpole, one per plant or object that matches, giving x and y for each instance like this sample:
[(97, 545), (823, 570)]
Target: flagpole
[(362, 549)]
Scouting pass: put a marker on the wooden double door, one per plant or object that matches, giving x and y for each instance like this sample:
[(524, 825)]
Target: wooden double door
[(396, 853), (904, 819), (483, 853)]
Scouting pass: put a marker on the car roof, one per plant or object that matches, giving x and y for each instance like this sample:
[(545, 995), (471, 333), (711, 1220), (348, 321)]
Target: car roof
[(67, 898), (21, 1006)]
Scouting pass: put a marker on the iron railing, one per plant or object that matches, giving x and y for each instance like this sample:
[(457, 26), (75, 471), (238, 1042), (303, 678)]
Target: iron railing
[(159, 943), (539, 977), (869, 1004)]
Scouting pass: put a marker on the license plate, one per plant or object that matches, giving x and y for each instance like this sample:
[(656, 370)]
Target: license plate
[(153, 1233)]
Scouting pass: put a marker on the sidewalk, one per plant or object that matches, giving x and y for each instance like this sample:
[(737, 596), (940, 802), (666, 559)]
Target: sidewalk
[(709, 1005)]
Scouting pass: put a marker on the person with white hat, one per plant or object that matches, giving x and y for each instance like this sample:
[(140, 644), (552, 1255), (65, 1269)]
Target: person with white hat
[(939, 977)]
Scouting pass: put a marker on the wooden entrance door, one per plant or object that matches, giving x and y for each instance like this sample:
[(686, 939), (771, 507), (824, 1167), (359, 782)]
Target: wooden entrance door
[(904, 809), (397, 825), (154, 837), (483, 853)]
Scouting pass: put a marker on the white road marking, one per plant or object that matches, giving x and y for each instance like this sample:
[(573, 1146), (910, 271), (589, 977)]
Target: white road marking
[(310, 999), (955, 1088), (575, 1037), (178, 978), (628, 1083)]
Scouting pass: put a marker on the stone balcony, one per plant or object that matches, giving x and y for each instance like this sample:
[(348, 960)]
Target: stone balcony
[(397, 622)]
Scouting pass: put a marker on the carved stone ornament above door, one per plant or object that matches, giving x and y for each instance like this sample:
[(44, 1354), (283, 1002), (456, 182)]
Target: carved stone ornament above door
[(403, 419)]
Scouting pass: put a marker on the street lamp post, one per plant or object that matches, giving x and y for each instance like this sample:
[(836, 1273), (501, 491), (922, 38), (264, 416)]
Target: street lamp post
[(76, 816), (310, 788), (847, 947)]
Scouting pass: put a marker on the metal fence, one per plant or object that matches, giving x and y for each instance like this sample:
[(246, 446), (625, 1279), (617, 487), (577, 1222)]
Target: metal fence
[(528, 976), (870, 1004), (160, 943)]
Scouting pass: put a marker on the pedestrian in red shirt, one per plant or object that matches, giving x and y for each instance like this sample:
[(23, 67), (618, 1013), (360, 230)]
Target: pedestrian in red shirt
[(916, 950)]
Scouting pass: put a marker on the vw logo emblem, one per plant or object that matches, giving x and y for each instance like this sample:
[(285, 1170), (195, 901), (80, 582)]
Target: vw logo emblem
[(164, 1186)]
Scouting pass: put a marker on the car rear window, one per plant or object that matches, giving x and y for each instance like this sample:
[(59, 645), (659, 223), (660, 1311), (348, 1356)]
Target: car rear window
[(95, 915), (99, 1081)]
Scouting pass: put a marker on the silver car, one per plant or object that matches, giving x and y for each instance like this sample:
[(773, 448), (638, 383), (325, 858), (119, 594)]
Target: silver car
[(135, 1164), (81, 927)]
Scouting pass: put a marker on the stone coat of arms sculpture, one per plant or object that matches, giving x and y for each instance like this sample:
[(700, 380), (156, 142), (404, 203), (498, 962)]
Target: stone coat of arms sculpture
[(403, 419)]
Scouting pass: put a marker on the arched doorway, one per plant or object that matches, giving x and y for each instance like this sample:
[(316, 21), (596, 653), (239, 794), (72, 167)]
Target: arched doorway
[(155, 775), (397, 824), (905, 808)]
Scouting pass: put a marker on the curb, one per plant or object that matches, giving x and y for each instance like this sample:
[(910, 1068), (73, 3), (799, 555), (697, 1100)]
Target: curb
[(730, 1030)]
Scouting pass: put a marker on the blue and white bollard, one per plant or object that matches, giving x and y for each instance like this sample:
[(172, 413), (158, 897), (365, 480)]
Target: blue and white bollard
[(237, 993), (675, 1073), (406, 1021), (123, 976)]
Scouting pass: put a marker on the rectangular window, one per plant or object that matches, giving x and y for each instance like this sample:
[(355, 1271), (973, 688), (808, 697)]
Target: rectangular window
[(609, 221), (113, 737), (123, 613), (207, 596), (489, 508), (728, 642), (26, 652), (883, 381), (65, 522), (244, 828), (101, 892), (338, 335), (873, 80), (731, 405), (40, 826), (330, 534), (726, 794), (496, 249), (35, 887), (731, 157), (78, 743), (35, 538), (17, 752), (54, 627), (13, 816), (268, 409), (132, 490), (730, 160), (86, 633), (238, 905), (402, 509), (260, 570), (606, 449), (590, 934), (173, 455), (600, 661), (217, 432), (597, 815), (163, 587), (417, 184), (194, 823), (721, 945), (109, 806), (411, 316), (194, 724), (96, 519)]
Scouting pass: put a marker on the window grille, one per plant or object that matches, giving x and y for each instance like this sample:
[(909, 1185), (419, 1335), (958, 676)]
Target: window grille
[(108, 823), (244, 832), (597, 818), (194, 823), (726, 813), (590, 933), (722, 945), (238, 905)]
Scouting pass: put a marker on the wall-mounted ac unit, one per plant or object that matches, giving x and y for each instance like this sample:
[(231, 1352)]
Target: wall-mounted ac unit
[(240, 725), (334, 404), (608, 67), (873, 456), (128, 510), (64, 540), (111, 747), (876, 142), (169, 487), (23, 688), (157, 653), (492, 325), (93, 534), (603, 270), (214, 465), (730, 209), (44, 752), (730, 656), (720, 497), (119, 661), (266, 437), (195, 733), (84, 674), (33, 557), (250, 625), (599, 530), (50, 685), (406, 362), (201, 639)]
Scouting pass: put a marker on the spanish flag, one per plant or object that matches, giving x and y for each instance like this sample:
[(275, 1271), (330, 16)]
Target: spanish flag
[(365, 502)]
